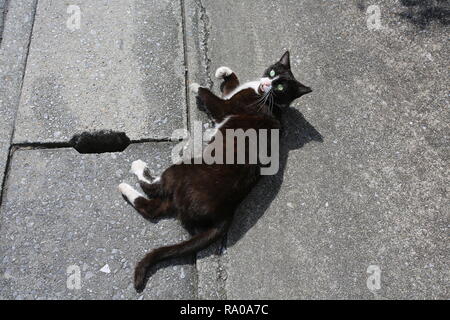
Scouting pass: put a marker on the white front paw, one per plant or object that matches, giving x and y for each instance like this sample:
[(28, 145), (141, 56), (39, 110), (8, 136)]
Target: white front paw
[(223, 72), (138, 166), (194, 88)]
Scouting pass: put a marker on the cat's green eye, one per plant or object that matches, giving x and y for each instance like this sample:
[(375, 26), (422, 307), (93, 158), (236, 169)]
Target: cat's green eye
[(280, 87), (272, 73)]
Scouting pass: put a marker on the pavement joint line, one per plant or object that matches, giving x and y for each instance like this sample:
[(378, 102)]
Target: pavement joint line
[(5, 176), (33, 17), (2, 26), (155, 140), (60, 145), (186, 64)]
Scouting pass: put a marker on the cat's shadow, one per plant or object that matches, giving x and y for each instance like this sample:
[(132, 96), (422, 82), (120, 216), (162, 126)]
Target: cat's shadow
[(296, 132)]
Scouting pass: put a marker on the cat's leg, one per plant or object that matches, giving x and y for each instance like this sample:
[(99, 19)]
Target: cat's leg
[(150, 185), (148, 208), (215, 106), (230, 80)]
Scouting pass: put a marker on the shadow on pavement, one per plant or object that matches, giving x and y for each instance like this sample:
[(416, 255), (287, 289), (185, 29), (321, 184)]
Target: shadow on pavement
[(297, 131)]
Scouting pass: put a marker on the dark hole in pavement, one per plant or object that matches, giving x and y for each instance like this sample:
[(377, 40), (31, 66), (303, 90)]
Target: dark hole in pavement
[(100, 141)]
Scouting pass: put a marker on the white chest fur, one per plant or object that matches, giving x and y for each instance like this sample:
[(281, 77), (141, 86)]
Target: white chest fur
[(252, 84)]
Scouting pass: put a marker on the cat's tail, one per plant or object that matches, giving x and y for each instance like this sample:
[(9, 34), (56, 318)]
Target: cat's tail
[(193, 245)]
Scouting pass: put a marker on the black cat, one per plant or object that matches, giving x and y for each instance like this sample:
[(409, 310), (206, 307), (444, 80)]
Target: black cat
[(205, 196)]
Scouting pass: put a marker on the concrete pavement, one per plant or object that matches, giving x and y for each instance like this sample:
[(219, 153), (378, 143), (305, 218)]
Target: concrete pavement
[(374, 192), (362, 192), (59, 221), (105, 74)]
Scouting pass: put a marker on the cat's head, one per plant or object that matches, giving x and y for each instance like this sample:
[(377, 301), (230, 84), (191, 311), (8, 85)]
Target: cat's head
[(279, 79)]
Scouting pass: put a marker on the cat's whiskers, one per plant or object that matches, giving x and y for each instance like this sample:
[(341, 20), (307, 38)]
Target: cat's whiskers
[(267, 98), (272, 101), (263, 102), (258, 101)]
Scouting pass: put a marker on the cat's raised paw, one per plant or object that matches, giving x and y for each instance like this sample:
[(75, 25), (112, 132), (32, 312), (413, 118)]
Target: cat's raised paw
[(223, 72), (138, 167), (194, 88)]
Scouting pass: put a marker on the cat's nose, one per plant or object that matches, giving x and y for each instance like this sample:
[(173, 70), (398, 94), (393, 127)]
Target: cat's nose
[(266, 84)]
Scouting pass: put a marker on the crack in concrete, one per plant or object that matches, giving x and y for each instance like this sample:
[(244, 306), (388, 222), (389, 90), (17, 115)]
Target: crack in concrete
[(5, 176), (204, 18), (2, 22)]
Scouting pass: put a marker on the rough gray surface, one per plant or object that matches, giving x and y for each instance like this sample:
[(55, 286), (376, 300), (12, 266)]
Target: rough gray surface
[(375, 191), (372, 191), (62, 208), (122, 70), (13, 57)]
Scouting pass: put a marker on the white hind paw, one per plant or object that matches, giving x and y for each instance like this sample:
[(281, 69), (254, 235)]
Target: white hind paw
[(129, 192), (223, 72), (194, 88)]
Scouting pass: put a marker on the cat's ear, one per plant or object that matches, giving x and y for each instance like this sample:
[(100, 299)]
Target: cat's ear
[(302, 89), (285, 60)]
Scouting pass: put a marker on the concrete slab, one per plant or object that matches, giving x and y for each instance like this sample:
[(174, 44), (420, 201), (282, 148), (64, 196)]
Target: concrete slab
[(120, 68), (373, 193), (13, 56), (62, 209)]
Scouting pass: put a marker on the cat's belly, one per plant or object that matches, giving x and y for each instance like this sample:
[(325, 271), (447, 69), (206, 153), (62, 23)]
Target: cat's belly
[(208, 194)]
